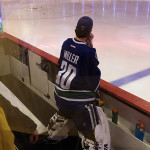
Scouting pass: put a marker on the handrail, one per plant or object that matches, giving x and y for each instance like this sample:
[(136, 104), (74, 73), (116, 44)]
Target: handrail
[(126, 97)]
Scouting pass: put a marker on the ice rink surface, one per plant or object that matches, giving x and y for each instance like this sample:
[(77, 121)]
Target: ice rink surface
[(121, 34)]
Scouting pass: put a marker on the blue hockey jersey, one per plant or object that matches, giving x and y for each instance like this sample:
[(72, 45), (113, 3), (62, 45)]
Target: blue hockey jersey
[(78, 73)]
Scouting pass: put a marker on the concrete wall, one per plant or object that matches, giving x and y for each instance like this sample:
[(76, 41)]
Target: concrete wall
[(4, 60), (19, 70), (39, 78)]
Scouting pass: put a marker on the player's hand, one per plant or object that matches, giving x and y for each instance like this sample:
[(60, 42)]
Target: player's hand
[(91, 36), (34, 137), (89, 40)]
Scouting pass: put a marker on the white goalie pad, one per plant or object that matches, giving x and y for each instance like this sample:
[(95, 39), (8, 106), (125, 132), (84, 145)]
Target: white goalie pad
[(59, 127), (102, 133)]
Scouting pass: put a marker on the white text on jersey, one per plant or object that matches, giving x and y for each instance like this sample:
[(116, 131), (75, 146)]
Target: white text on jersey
[(71, 57)]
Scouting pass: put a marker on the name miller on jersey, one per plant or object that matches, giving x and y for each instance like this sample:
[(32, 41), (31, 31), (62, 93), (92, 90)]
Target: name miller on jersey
[(71, 57)]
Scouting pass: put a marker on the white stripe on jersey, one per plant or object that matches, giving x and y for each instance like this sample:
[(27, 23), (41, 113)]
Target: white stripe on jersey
[(78, 42), (97, 86), (75, 100)]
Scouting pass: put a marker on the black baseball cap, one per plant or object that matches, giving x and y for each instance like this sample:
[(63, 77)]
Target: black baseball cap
[(85, 23)]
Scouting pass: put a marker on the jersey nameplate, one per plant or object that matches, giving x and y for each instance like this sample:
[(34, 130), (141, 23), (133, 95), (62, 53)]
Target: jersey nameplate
[(71, 57)]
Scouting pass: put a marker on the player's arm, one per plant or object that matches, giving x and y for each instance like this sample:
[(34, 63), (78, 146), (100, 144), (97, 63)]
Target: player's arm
[(94, 71)]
